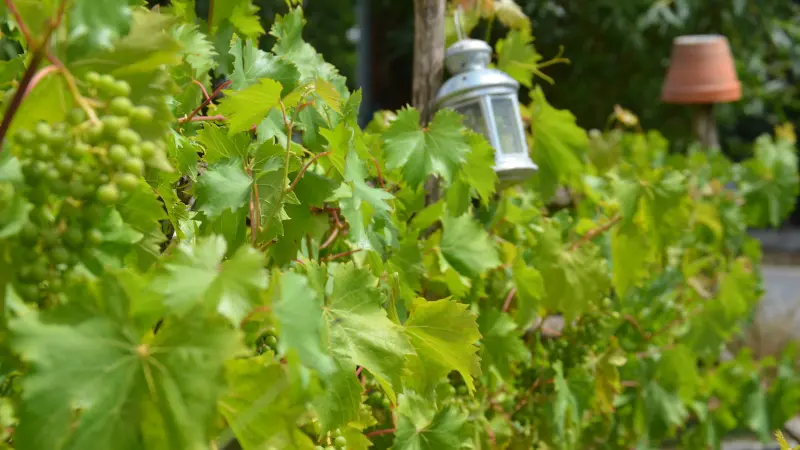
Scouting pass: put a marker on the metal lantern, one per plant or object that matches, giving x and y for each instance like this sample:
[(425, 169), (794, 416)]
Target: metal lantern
[(488, 100)]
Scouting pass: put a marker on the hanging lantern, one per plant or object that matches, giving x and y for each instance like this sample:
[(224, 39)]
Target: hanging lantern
[(487, 98)]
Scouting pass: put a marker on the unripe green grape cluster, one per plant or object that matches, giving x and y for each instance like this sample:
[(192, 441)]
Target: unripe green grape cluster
[(339, 442), (76, 171)]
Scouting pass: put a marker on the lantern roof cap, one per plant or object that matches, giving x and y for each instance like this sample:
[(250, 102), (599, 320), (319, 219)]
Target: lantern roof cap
[(467, 54)]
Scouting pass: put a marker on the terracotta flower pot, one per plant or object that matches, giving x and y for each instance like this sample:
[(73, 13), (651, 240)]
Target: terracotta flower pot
[(701, 71)]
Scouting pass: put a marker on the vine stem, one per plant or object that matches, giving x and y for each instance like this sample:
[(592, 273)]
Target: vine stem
[(202, 88), (39, 76), (509, 297), (380, 432), (595, 232), (341, 255), (203, 118), (38, 54), (305, 168), (73, 87), (330, 239), (209, 98)]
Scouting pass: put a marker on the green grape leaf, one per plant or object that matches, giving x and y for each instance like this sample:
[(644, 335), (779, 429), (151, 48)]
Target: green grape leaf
[(360, 202), (340, 403), (224, 186), (770, 182), (663, 407), (440, 149), (478, 170), (501, 345), (517, 56), (196, 274), (629, 252), (566, 409), (466, 246), (250, 106), (146, 49), (559, 145), (242, 14), (443, 334), (47, 101), (183, 154), (100, 23), (94, 362), (359, 330), (250, 64), (198, 51), (289, 45), (221, 145), (530, 291), (574, 277), (263, 405), (441, 431), (298, 309)]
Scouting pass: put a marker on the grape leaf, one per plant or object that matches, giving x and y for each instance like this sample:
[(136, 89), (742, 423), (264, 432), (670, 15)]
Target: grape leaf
[(251, 64), (298, 309), (530, 290), (196, 274), (242, 14), (341, 401), (443, 334), (224, 186), (478, 170), (565, 407), (770, 182), (466, 246), (100, 23), (501, 345), (198, 52), (221, 145), (574, 278), (94, 363), (250, 106), (517, 56), (558, 145), (441, 431), (359, 330), (262, 405), (289, 45), (440, 149)]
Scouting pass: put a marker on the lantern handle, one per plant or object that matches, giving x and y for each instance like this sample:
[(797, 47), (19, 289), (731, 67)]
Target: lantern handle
[(457, 20)]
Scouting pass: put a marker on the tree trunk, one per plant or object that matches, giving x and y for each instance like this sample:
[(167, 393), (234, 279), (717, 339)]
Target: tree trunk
[(705, 126), (428, 68)]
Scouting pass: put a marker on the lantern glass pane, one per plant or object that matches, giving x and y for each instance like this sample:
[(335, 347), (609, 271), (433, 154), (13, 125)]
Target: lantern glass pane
[(473, 118), (508, 127)]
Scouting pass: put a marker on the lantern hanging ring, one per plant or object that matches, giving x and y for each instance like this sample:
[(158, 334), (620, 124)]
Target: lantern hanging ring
[(457, 19)]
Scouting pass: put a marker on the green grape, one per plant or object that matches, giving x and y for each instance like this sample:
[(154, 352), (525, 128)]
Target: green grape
[(60, 255), (76, 116), (94, 236), (462, 390), (330, 447), (376, 396), (121, 88), (340, 441), (38, 196), (128, 137), (451, 390), (106, 82), (29, 234), (121, 106), (43, 152), (40, 271), (108, 194), (93, 212), (336, 433), (79, 150), (94, 133), (134, 166), (317, 447), (52, 174), (386, 403), (50, 237), (127, 181), (65, 165), (148, 149), (135, 150), (55, 285), (73, 237), (117, 154), (93, 78), (271, 341), (43, 131), (24, 137), (77, 189), (112, 125), (142, 114)]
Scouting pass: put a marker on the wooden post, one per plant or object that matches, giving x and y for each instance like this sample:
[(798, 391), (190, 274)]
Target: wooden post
[(705, 126), (428, 68)]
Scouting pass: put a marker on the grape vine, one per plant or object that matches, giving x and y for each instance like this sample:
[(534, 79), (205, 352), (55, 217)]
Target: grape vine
[(200, 249)]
